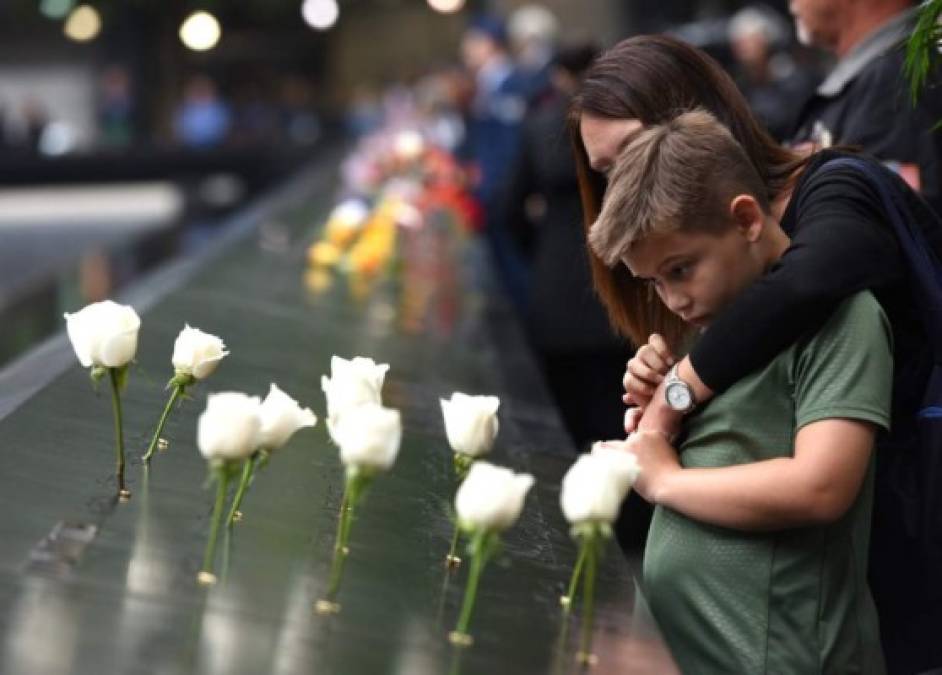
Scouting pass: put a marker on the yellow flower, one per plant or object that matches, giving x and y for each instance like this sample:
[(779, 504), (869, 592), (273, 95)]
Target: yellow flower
[(323, 254)]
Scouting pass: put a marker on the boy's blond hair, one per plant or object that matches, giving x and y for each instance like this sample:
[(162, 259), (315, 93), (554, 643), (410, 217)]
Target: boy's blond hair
[(682, 174)]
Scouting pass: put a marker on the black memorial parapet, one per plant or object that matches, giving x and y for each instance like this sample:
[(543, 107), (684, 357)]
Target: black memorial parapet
[(89, 585)]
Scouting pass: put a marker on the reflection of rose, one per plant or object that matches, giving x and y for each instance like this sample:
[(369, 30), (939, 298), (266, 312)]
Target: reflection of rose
[(281, 416), (596, 484), (104, 334), (470, 423), (228, 428), (491, 497), (197, 353)]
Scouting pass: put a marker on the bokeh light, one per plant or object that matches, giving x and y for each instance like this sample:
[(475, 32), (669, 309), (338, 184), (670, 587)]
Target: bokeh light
[(446, 6), (200, 31), (83, 24), (320, 14)]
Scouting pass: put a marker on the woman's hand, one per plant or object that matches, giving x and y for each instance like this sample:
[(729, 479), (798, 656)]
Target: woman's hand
[(657, 459), (646, 370)]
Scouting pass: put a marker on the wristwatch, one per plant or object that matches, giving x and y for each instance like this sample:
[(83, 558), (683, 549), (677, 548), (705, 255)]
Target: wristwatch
[(678, 393)]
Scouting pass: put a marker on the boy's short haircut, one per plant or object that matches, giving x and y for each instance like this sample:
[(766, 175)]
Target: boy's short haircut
[(681, 174)]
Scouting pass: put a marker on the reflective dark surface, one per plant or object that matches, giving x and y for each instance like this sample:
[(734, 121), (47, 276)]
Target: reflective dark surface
[(48, 268), (113, 589)]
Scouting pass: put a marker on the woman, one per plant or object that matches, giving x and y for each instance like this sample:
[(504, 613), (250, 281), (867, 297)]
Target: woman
[(841, 244)]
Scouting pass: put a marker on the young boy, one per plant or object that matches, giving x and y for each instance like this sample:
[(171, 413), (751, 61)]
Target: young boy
[(756, 561)]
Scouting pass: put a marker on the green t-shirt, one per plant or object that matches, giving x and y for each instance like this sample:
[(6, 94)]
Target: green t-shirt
[(794, 600)]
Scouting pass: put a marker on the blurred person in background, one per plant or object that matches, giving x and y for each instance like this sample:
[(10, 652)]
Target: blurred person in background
[(533, 31), (364, 113), (115, 108), (865, 100), (437, 96), (4, 133), (764, 71), (300, 124), (35, 121), (580, 355), (202, 119), (493, 136), (398, 105), (255, 117)]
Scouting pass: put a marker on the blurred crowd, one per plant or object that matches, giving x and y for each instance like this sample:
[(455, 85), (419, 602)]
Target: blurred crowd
[(271, 109), (256, 113)]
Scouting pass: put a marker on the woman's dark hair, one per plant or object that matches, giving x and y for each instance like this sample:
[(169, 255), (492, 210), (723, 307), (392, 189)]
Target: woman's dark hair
[(654, 78)]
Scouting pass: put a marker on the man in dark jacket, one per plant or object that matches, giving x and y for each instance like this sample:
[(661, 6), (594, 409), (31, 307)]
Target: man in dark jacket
[(865, 99)]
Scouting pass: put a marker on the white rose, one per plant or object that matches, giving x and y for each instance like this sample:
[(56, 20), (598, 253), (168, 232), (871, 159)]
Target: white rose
[(624, 465), (369, 437), (281, 417), (228, 428), (597, 483), (197, 353), (470, 423), (351, 383), (104, 334), (491, 497)]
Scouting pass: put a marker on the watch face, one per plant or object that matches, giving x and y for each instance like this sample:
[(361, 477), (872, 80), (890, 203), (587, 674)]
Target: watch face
[(678, 396)]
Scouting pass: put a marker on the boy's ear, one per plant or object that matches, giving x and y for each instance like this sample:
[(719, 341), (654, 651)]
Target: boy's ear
[(747, 216)]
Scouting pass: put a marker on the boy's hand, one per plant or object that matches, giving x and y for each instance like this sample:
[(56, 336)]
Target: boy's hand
[(657, 459), (646, 370)]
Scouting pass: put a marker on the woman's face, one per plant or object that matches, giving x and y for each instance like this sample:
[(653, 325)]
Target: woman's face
[(604, 138)]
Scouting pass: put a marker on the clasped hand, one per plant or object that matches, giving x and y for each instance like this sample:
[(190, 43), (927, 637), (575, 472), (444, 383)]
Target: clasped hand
[(644, 388)]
